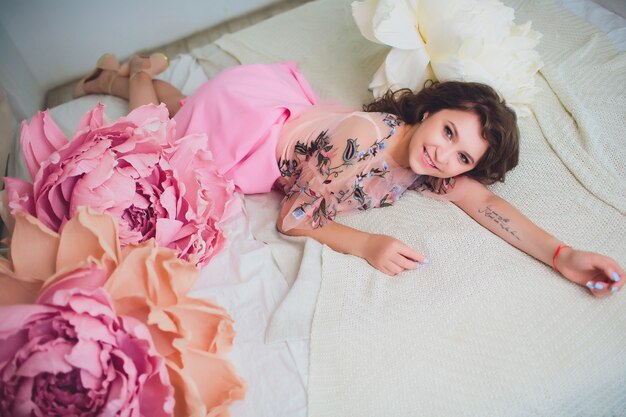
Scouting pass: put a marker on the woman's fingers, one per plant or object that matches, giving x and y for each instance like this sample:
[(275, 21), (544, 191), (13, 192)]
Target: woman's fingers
[(392, 269), (404, 262), (411, 254), (404, 258), (396, 269), (391, 256), (614, 276), (598, 288), (609, 277)]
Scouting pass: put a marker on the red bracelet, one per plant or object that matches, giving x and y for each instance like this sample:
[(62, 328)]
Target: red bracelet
[(556, 253)]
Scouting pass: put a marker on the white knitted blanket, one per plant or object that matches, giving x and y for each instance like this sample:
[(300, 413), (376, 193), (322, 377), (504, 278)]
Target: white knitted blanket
[(484, 330)]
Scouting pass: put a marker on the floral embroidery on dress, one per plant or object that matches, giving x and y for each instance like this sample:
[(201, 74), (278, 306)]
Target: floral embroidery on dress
[(321, 153)]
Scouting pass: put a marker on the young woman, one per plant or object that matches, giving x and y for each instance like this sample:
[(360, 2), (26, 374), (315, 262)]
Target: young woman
[(267, 128)]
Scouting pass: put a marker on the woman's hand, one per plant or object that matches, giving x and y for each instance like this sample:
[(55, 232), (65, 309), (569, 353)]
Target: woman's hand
[(600, 274), (390, 255)]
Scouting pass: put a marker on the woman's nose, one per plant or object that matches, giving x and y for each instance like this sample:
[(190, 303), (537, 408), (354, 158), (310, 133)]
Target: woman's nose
[(443, 154)]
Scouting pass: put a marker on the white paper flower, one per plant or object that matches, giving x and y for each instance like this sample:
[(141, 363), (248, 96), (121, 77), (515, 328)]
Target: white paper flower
[(465, 40)]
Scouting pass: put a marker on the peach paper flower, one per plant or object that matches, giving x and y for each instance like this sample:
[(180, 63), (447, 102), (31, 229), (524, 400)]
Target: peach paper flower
[(146, 282)]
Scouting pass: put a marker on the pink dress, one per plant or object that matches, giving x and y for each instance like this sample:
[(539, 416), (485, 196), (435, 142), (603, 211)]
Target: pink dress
[(242, 110), (267, 129), (335, 160)]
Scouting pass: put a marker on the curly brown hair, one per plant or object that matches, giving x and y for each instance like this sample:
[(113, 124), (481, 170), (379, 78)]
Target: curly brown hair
[(498, 121)]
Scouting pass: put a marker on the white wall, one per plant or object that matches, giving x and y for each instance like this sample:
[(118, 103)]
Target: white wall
[(59, 40), (22, 92)]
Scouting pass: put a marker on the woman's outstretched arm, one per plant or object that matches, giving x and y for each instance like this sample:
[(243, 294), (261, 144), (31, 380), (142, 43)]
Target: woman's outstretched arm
[(601, 274), (385, 253)]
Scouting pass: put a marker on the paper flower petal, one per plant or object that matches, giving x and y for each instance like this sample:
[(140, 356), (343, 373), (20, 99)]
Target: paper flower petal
[(89, 235), (33, 249), (208, 388), (402, 69), (363, 13), (92, 120), (394, 24), (20, 196), (464, 40), (390, 22), (39, 139), (14, 289)]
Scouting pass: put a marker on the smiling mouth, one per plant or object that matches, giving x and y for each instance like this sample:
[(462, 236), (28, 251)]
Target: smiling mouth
[(428, 160)]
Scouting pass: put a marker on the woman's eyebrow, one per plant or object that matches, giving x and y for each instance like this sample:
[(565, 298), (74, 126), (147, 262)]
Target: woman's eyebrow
[(457, 135)]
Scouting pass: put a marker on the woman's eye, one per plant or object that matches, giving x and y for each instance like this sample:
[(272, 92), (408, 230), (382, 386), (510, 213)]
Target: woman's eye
[(464, 159), (448, 132)]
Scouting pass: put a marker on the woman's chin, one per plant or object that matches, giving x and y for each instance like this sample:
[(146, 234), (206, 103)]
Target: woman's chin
[(418, 169), (424, 171)]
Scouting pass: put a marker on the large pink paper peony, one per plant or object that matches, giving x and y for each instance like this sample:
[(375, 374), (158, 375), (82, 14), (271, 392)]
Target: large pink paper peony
[(145, 282), (71, 355), (131, 168)]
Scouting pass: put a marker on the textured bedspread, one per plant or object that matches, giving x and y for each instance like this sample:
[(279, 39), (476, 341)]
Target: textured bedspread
[(484, 330)]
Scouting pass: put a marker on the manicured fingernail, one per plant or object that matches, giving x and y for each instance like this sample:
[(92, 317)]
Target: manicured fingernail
[(614, 289), (615, 276), (599, 286), (426, 261), (589, 284)]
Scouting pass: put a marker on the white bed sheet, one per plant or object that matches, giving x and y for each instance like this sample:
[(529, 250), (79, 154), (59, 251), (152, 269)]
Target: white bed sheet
[(613, 24), (244, 278)]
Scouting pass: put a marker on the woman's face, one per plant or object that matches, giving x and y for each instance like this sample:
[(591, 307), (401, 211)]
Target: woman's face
[(446, 144)]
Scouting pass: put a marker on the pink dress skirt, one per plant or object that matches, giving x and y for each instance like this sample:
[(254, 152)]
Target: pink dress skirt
[(242, 111)]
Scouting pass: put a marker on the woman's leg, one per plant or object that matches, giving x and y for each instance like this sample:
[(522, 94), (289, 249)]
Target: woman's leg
[(169, 95), (109, 82), (144, 90), (139, 88)]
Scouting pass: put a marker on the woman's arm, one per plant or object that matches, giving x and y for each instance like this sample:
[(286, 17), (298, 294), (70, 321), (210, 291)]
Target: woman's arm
[(384, 253), (602, 275)]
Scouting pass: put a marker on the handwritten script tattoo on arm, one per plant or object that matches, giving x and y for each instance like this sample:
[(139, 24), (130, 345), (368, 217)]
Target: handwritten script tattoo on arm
[(503, 222)]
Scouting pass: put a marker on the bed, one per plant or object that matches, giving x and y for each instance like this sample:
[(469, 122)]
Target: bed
[(484, 330)]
